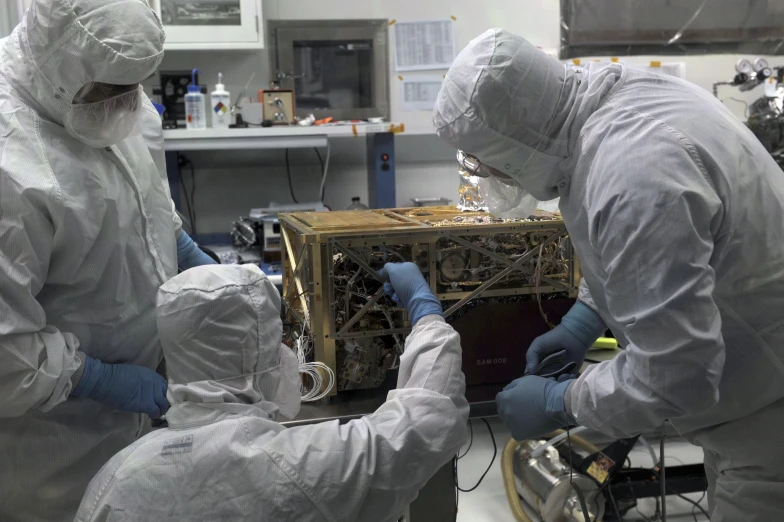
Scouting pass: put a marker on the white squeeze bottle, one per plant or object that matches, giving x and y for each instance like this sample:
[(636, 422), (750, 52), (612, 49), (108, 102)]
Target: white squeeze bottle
[(220, 101), (195, 110)]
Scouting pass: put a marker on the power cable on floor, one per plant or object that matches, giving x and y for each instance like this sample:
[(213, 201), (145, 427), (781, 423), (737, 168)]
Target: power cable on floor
[(615, 505), (693, 514), (458, 489), (695, 505), (492, 460), (662, 477), (470, 442)]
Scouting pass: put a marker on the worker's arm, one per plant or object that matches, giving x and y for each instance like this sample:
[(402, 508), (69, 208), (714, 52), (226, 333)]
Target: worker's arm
[(39, 365), (653, 214), (152, 132), (189, 254), (374, 467), (584, 296)]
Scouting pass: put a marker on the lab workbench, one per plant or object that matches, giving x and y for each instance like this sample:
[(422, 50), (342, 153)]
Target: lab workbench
[(275, 137), (481, 400), (379, 140), (436, 500)]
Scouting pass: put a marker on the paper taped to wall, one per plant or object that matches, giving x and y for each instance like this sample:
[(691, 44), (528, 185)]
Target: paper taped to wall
[(424, 45), (420, 93), (677, 69)]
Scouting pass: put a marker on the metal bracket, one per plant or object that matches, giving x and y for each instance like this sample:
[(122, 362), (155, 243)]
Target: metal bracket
[(507, 262), (375, 299), (362, 311), (500, 275), (358, 260), (295, 269)]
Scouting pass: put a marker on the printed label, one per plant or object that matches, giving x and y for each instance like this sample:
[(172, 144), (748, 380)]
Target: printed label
[(600, 468), (179, 445), (485, 362)]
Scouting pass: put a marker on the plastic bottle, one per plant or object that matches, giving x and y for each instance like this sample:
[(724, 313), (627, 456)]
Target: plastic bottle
[(220, 103), (771, 90), (195, 109), (356, 204)]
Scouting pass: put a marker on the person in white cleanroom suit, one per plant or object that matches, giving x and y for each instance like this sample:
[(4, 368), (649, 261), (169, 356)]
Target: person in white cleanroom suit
[(87, 235), (676, 213), (225, 456)]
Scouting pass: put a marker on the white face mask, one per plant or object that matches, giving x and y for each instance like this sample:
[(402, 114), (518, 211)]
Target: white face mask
[(106, 122), (506, 199)]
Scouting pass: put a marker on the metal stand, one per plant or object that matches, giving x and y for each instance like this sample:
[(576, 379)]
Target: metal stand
[(381, 170), (380, 159)]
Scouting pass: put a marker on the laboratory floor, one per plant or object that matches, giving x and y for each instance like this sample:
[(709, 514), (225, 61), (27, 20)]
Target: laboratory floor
[(488, 502)]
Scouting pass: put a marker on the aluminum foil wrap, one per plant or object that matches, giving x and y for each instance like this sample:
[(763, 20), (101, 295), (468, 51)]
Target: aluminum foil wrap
[(469, 193)]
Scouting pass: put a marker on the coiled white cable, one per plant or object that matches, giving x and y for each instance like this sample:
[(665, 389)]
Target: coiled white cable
[(316, 372), (312, 370)]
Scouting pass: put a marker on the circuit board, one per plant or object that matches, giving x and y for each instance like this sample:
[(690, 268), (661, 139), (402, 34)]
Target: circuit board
[(335, 297)]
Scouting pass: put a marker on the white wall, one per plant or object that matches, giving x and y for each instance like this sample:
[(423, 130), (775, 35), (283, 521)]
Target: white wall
[(230, 183)]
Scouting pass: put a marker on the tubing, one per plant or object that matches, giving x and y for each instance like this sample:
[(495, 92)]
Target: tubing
[(555, 440), (507, 469), (648, 446)]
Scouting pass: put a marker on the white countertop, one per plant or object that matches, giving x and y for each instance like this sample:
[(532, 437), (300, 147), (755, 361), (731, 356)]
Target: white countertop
[(275, 137)]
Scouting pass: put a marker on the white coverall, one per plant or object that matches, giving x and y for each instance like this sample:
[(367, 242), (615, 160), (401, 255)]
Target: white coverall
[(86, 238), (676, 212), (225, 456)]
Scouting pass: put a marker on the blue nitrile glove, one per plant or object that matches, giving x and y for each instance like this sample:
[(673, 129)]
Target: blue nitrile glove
[(190, 255), (533, 406), (577, 332), (124, 387), (407, 287)]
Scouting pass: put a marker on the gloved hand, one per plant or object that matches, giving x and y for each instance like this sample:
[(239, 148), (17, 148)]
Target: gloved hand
[(407, 287), (577, 332), (533, 406), (189, 255), (124, 387)]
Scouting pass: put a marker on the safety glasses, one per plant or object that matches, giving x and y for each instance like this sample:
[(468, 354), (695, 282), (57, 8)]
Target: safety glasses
[(473, 166)]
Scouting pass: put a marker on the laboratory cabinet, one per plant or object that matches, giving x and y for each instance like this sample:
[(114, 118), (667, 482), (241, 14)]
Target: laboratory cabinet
[(205, 25)]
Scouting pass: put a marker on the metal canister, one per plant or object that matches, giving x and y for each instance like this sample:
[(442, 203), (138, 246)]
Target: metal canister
[(544, 484)]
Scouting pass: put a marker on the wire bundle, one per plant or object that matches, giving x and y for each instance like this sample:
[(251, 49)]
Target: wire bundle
[(324, 171), (189, 198), (457, 457), (314, 370)]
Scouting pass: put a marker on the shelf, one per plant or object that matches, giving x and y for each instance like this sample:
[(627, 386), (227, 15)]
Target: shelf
[(276, 137), (216, 46)]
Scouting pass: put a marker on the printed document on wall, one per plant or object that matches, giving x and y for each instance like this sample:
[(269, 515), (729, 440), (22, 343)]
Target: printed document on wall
[(423, 46), (420, 93)]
